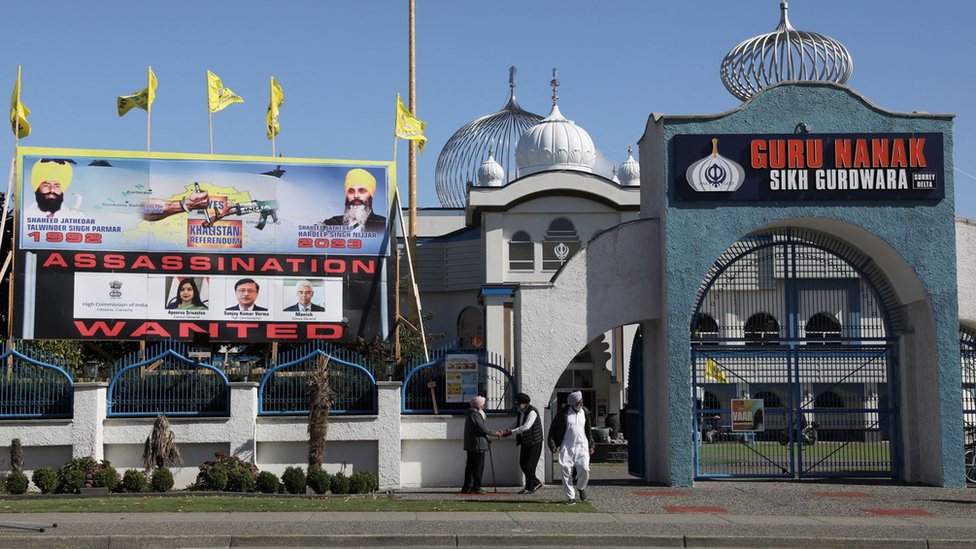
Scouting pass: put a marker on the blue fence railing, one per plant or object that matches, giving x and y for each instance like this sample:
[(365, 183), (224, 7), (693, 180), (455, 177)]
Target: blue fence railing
[(284, 388), (34, 387), (427, 383), (168, 383)]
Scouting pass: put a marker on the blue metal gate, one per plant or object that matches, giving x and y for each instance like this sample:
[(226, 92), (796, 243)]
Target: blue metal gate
[(798, 321), (967, 352)]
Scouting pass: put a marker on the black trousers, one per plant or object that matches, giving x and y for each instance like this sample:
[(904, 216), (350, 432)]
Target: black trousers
[(473, 469), (528, 459)]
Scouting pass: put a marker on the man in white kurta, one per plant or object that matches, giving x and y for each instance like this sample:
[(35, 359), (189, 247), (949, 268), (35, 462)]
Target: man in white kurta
[(571, 427)]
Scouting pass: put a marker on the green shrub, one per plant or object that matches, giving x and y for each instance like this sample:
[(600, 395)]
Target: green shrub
[(339, 484), (239, 480), (73, 476), (16, 482), (318, 480), (215, 474), (162, 480), (268, 482), (213, 478), (294, 480), (46, 479), (105, 476), (362, 482), (135, 481)]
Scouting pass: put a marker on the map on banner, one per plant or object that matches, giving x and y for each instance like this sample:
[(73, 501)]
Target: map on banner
[(116, 245)]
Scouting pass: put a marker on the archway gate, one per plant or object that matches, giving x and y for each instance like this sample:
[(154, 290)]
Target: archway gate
[(799, 321)]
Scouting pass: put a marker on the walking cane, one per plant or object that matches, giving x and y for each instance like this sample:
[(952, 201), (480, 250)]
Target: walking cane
[(491, 460)]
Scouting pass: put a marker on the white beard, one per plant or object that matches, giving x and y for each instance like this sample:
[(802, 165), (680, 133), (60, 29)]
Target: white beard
[(356, 215)]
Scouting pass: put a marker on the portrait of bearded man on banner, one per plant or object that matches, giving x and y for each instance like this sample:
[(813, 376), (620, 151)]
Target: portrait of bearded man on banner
[(359, 215), (50, 178)]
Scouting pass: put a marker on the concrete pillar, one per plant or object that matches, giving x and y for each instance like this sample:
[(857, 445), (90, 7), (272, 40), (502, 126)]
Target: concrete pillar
[(88, 425), (388, 435), (242, 424)]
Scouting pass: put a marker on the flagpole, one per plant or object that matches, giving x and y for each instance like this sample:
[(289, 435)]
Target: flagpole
[(270, 102), (210, 116), (148, 110), (396, 261)]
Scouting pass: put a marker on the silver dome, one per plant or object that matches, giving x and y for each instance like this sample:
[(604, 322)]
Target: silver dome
[(784, 54), (464, 152)]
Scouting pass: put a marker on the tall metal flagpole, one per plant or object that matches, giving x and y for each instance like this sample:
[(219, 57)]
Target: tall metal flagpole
[(412, 151), (209, 114)]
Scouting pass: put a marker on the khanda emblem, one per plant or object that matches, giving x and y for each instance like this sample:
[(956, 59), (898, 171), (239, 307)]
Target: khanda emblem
[(715, 173)]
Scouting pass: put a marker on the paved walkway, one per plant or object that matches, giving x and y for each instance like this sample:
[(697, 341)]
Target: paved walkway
[(805, 515)]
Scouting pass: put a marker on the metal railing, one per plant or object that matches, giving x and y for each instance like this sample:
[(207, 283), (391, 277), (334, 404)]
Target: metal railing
[(168, 383), (31, 388), (284, 388), (426, 384)]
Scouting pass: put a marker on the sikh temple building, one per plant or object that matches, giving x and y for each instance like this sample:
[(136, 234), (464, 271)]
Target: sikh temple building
[(781, 290), (770, 252)]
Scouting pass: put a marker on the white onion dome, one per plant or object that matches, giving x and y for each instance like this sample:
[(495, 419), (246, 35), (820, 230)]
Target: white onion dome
[(784, 54), (461, 158), (629, 172), (491, 173), (555, 144)]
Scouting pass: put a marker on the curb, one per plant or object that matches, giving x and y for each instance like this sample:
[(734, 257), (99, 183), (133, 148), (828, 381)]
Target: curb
[(452, 540)]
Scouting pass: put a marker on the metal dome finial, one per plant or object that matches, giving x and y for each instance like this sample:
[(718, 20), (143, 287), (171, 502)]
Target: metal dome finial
[(464, 153), (555, 86), (784, 54)]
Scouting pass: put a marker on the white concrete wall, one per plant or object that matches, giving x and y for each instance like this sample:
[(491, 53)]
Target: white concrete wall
[(966, 270), (407, 451)]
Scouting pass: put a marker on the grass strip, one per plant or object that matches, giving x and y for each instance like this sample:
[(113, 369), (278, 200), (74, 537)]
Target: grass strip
[(251, 504)]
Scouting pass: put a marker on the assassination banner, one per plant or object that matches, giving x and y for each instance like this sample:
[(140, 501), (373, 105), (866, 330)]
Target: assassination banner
[(117, 245)]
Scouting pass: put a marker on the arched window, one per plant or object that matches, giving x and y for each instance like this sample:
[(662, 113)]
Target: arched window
[(705, 329), (521, 252), (471, 328), (760, 328), (560, 242), (770, 399), (822, 326), (828, 399)]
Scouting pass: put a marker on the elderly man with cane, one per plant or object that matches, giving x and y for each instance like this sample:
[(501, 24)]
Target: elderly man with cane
[(570, 431), (475, 445)]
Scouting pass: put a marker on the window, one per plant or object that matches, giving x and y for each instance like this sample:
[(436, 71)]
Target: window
[(824, 328), (560, 242), (760, 328), (706, 328), (521, 252), (470, 328)]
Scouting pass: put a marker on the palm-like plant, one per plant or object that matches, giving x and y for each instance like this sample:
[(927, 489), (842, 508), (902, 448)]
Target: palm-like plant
[(320, 397)]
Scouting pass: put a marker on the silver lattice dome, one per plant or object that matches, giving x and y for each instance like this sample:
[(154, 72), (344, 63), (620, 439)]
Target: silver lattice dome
[(784, 54), (469, 147)]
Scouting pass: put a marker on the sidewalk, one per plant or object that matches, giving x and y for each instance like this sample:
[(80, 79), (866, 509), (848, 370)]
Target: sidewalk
[(806, 515)]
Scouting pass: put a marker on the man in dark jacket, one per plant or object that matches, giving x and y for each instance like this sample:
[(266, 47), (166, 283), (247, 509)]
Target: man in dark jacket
[(475, 444), (570, 433), (528, 436)]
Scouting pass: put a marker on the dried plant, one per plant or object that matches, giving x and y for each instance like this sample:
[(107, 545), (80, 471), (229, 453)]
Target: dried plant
[(16, 455), (160, 449), (320, 398)]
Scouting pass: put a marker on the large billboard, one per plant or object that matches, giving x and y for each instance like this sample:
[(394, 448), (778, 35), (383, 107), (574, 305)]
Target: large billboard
[(809, 167), (126, 245)]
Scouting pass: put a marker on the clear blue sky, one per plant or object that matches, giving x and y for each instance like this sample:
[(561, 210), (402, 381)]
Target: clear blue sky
[(342, 62)]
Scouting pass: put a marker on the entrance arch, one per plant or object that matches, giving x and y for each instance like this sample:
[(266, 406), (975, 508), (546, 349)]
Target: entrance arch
[(806, 332)]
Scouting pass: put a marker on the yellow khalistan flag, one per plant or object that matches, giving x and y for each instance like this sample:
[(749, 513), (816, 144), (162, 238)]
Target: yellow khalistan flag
[(18, 112), (714, 372), (219, 97), (142, 99), (277, 99), (408, 126)]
